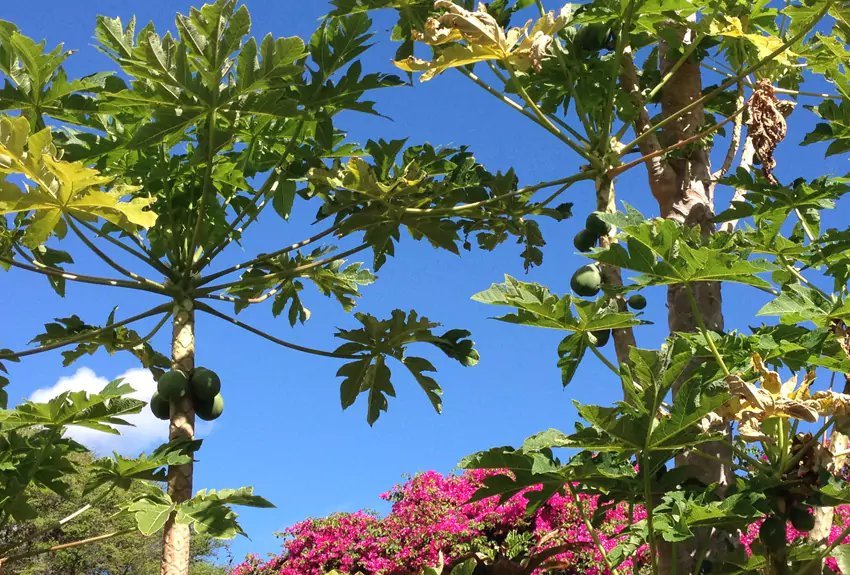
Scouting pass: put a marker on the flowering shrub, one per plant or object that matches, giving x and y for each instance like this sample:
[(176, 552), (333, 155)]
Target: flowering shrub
[(431, 516)]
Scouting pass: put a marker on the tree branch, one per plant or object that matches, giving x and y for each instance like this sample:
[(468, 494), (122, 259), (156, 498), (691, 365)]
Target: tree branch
[(285, 273), (62, 546), (293, 346), (656, 153), (86, 335), (40, 268), (109, 261), (265, 257), (564, 182), (144, 255)]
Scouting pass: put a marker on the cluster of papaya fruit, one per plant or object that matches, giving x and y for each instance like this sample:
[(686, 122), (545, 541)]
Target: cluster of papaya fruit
[(202, 385), (772, 532), (587, 280)]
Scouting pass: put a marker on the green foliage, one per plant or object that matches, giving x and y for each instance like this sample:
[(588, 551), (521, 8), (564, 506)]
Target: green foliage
[(132, 554), (537, 306), (369, 346)]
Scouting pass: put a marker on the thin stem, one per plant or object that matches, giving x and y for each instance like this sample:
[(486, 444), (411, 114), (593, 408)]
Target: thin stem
[(293, 346), (500, 96), (269, 186), (590, 528), (285, 273), (564, 182), (679, 63), (85, 335), (543, 119), (265, 257), (733, 80), (63, 546), (708, 131), (205, 188), (158, 326), (647, 495), (604, 359), (43, 269), (109, 261), (540, 7), (144, 256), (805, 226), (824, 553), (813, 440), (776, 89), (608, 113), (704, 331), (735, 140)]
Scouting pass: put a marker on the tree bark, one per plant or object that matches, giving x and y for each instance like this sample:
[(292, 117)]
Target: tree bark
[(176, 537), (682, 185), (624, 339)]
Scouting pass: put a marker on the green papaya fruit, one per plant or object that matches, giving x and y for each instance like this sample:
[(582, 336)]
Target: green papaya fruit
[(802, 518), (585, 240), (587, 281), (772, 532), (602, 336), (596, 226), (205, 384), (172, 385), (210, 410), (160, 406)]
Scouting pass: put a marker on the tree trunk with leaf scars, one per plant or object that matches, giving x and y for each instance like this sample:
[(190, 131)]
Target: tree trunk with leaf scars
[(176, 537), (839, 443), (624, 339), (682, 185)]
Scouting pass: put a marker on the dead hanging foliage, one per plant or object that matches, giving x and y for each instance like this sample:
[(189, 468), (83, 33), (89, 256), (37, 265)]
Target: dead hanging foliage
[(767, 126)]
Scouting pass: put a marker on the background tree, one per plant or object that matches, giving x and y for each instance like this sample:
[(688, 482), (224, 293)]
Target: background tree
[(133, 554), (159, 170), (57, 502)]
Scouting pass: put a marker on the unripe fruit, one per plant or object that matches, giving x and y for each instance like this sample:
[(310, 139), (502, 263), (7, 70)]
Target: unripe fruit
[(772, 532), (602, 336), (801, 518), (586, 281), (585, 240), (210, 410), (205, 384), (596, 226), (160, 407), (637, 301), (172, 385)]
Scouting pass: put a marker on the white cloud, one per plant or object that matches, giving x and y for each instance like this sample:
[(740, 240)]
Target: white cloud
[(147, 431)]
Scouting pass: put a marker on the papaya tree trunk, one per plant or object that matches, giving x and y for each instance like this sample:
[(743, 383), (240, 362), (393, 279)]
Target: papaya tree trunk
[(682, 185), (838, 444), (176, 537), (624, 339)]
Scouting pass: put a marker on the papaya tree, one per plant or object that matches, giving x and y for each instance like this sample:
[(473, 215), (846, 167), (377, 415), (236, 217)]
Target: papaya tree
[(696, 93), (157, 167)]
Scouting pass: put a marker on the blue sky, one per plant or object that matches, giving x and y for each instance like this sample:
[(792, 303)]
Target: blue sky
[(283, 430)]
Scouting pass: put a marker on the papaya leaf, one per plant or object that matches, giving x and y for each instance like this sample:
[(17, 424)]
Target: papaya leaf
[(665, 252), (377, 340), (58, 188)]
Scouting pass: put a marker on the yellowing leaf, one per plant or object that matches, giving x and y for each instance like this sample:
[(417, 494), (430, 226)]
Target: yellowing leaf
[(732, 27), (452, 56), (55, 188), (483, 40)]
